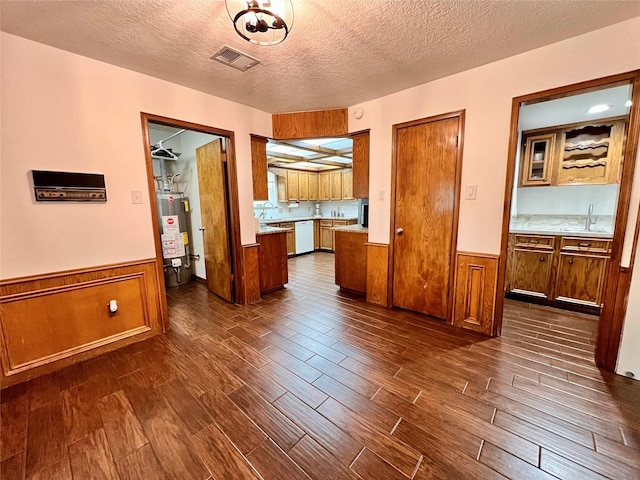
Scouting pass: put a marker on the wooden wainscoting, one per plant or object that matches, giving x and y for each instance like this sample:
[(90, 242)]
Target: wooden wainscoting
[(319, 123), (377, 273), (475, 291), (251, 284), (53, 320)]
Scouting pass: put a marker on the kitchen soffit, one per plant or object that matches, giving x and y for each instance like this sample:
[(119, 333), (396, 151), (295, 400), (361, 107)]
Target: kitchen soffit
[(339, 53)]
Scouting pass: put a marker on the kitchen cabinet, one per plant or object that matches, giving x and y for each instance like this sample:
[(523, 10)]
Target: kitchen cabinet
[(281, 183), (327, 234), (313, 186), (530, 263), (361, 165), (259, 167), (559, 269), (347, 184), (303, 186), (336, 185), (351, 260), (291, 237), (272, 261), (324, 186), (292, 185), (574, 154)]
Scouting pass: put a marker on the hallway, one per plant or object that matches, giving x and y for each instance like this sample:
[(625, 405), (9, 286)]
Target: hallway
[(314, 383)]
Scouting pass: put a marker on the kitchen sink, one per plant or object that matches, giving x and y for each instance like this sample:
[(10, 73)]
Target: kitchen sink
[(582, 230)]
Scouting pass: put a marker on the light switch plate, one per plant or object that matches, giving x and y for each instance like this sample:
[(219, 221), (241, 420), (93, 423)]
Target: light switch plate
[(470, 192), (381, 195), (136, 196)]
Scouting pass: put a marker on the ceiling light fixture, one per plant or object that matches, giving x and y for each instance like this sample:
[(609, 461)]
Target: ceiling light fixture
[(599, 108), (263, 22)]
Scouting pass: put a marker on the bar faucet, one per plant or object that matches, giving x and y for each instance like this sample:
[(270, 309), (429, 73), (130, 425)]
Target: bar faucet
[(264, 208), (589, 221)]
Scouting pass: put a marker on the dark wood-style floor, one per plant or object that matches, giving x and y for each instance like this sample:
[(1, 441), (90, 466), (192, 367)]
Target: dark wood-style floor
[(312, 383)]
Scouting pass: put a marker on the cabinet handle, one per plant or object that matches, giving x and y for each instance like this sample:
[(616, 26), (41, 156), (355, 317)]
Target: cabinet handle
[(570, 262), (584, 244), (533, 240), (542, 259)]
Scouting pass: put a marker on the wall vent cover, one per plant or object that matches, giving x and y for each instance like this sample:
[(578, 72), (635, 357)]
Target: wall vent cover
[(235, 58)]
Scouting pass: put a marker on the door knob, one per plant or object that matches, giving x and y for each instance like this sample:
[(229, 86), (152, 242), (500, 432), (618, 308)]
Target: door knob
[(399, 231)]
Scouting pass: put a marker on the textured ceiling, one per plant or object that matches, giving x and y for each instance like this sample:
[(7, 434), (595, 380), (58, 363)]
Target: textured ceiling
[(339, 53)]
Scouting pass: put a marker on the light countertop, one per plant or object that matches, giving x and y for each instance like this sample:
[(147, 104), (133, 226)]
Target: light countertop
[(268, 230), (351, 228), (302, 219), (564, 233), (562, 225)]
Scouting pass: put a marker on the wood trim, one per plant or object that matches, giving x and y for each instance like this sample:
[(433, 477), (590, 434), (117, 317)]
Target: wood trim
[(312, 124), (475, 291), (133, 284), (259, 167), (377, 274), (610, 326), (251, 273), (232, 192), (460, 114)]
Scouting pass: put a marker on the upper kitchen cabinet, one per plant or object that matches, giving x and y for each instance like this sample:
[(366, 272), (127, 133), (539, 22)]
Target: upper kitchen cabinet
[(575, 154), (360, 164), (347, 184), (324, 186), (313, 186), (303, 186), (336, 185), (259, 167), (292, 185)]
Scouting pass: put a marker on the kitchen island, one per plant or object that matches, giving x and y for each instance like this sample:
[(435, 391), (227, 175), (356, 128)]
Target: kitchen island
[(272, 258), (351, 258)]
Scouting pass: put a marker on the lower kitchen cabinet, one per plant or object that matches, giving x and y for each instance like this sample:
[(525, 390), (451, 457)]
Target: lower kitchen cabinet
[(573, 273), (272, 261), (531, 272), (326, 235), (351, 260), (581, 278), (291, 237)]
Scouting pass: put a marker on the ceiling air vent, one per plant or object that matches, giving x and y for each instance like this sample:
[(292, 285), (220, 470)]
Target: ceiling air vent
[(235, 59)]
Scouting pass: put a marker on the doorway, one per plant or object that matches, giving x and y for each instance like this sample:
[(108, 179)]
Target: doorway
[(194, 206), (426, 192), (571, 161)]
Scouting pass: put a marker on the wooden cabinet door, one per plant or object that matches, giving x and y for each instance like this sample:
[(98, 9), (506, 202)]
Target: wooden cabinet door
[(292, 186), (347, 184), (530, 272), (313, 186), (537, 159), (281, 182), (361, 165), (303, 186), (336, 185), (324, 186), (326, 235), (580, 279), (259, 168), (291, 237)]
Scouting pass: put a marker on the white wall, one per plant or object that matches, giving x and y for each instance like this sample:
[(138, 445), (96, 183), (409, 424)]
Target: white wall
[(62, 111), (567, 200), (486, 93)]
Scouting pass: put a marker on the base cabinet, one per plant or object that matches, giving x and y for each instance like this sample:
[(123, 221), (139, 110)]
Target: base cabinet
[(291, 237), (326, 235), (351, 260), (559, 269), (272, 261)]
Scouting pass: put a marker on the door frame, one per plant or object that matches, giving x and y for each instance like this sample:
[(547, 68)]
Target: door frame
[(232, 197), (460, 115), (614, 301)]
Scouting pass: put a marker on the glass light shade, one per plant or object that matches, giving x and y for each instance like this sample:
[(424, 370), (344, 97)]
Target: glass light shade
[(263, 22)]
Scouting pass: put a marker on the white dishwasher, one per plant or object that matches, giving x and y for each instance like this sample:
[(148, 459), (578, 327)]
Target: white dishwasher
[(304, 236)]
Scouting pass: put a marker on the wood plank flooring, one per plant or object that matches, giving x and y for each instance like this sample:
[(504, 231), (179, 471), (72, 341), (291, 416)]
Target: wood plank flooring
[(315, 384)]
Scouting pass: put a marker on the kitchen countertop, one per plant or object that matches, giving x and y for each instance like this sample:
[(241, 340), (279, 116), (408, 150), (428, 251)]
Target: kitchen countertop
[(564, 233), (562, 225), (351, 228), (268, 230), (302, 219)]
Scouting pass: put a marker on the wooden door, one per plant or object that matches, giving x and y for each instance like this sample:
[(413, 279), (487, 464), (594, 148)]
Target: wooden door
[(426, 204), (530, 272), (215, 221), (580, 278), (324, 186)]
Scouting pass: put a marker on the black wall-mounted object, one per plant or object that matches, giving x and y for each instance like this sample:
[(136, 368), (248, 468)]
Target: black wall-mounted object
[(68, 186)]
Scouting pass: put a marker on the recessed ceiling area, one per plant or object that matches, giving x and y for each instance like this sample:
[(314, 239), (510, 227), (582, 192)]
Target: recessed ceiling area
[(338, 54), (314, 154)]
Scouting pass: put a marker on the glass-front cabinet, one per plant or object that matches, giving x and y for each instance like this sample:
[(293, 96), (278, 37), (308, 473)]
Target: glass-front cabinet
[(538, 151)]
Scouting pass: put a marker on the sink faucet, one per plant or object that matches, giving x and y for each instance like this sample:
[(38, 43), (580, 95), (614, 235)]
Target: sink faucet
[(589, 221), (264, 212)]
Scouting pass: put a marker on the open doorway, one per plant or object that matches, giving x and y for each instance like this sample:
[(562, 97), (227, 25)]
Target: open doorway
[(569, 180), (194, 207)]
